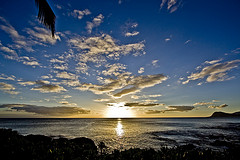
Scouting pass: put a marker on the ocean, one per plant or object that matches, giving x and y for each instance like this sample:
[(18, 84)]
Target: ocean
[(136, 132)]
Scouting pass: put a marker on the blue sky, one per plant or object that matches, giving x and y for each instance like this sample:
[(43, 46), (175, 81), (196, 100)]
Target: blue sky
[(169, 58)]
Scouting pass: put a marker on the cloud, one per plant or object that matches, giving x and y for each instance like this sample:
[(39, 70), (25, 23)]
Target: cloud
[(66, 75), (5, 77), (188, 41), (8, 88), (19, 40), (54, 60), (236, 51), (60, 67), (95, 23), (130, 34), (58, 6), (146, 96), (134, 84), (42, 35), (140, 82), (30, 83), (213, 61), (31, 61), (79, 14), (155, 95), (171, 109), (114, 69), (142, 104), (172, 5), (167, 39), (141, 70), (126, 92), (154, 63), (92, 49), (43, 86), (214, 72), (48, 111), (203, 103), (47, 88), (9, 51), (102, 100), (67, 103), (129, 29), (218, 106), (70, 82)]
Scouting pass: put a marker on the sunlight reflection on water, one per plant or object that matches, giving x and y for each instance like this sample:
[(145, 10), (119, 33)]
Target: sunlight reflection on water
[(125, 133), (119, 129)]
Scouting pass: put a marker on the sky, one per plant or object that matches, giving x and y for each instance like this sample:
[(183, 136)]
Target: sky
[(120, 58)]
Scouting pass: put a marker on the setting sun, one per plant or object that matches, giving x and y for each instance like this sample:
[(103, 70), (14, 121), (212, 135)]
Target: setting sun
[(118, 110)]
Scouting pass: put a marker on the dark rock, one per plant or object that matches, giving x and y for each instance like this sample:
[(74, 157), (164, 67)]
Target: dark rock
[(223, 114)]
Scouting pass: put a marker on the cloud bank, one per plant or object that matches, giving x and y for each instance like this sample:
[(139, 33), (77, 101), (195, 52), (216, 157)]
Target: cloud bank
[(48, 111), (171, 109)]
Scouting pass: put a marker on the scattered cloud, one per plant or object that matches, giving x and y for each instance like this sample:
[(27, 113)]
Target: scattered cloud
[(154, 63), (140, 82), (213, 61), (95, 23), (236, 51), (58, 6), (134, 84), (19, 40), (203, 103), (80, 14), (48, 111), (67, 103), (130, 34), (5, 77), (146, 96), (54, 60), (172, 5), (129, 29), (43, 35), (47, 88), (43, 86), (10, 52), (171, 109), (214, 72), (60, 67), (141, 70), (8, 88), (92, 49), (167, 39), (66, 75), (102, 100), (114, 69), (218, 106), (188, 41)]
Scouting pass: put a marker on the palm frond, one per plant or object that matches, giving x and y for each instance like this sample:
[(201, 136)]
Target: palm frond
[(46, 15)]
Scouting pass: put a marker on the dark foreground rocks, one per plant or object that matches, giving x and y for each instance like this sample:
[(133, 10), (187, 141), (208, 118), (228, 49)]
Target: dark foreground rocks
[(38, 147)]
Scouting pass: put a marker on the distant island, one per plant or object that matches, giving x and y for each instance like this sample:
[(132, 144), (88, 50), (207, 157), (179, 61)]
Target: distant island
[(223, 114)]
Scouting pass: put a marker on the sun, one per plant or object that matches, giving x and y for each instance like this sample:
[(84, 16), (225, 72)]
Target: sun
[(118, 110)]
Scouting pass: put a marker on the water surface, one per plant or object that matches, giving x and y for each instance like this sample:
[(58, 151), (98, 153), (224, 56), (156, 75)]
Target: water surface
[(142, 133)]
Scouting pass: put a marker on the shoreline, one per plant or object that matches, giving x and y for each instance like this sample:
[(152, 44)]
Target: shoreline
[(16, 146)]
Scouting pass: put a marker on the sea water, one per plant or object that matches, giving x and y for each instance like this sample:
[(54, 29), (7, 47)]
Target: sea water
[(135, 132)]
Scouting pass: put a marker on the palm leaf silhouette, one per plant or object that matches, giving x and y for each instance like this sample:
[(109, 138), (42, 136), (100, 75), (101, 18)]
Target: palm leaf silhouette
[(46, 15)]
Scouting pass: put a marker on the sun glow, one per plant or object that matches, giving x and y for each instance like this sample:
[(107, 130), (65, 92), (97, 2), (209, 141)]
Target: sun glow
[(118, 110)]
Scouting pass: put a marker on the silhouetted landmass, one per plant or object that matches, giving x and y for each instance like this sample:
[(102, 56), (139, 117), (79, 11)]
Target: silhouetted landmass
[(14, 146), (223, 114)]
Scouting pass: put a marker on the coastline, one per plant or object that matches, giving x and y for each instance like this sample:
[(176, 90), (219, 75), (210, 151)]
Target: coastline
[(16, 146)]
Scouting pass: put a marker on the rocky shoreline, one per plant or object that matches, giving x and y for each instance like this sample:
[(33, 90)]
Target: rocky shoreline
[(15, 146)]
